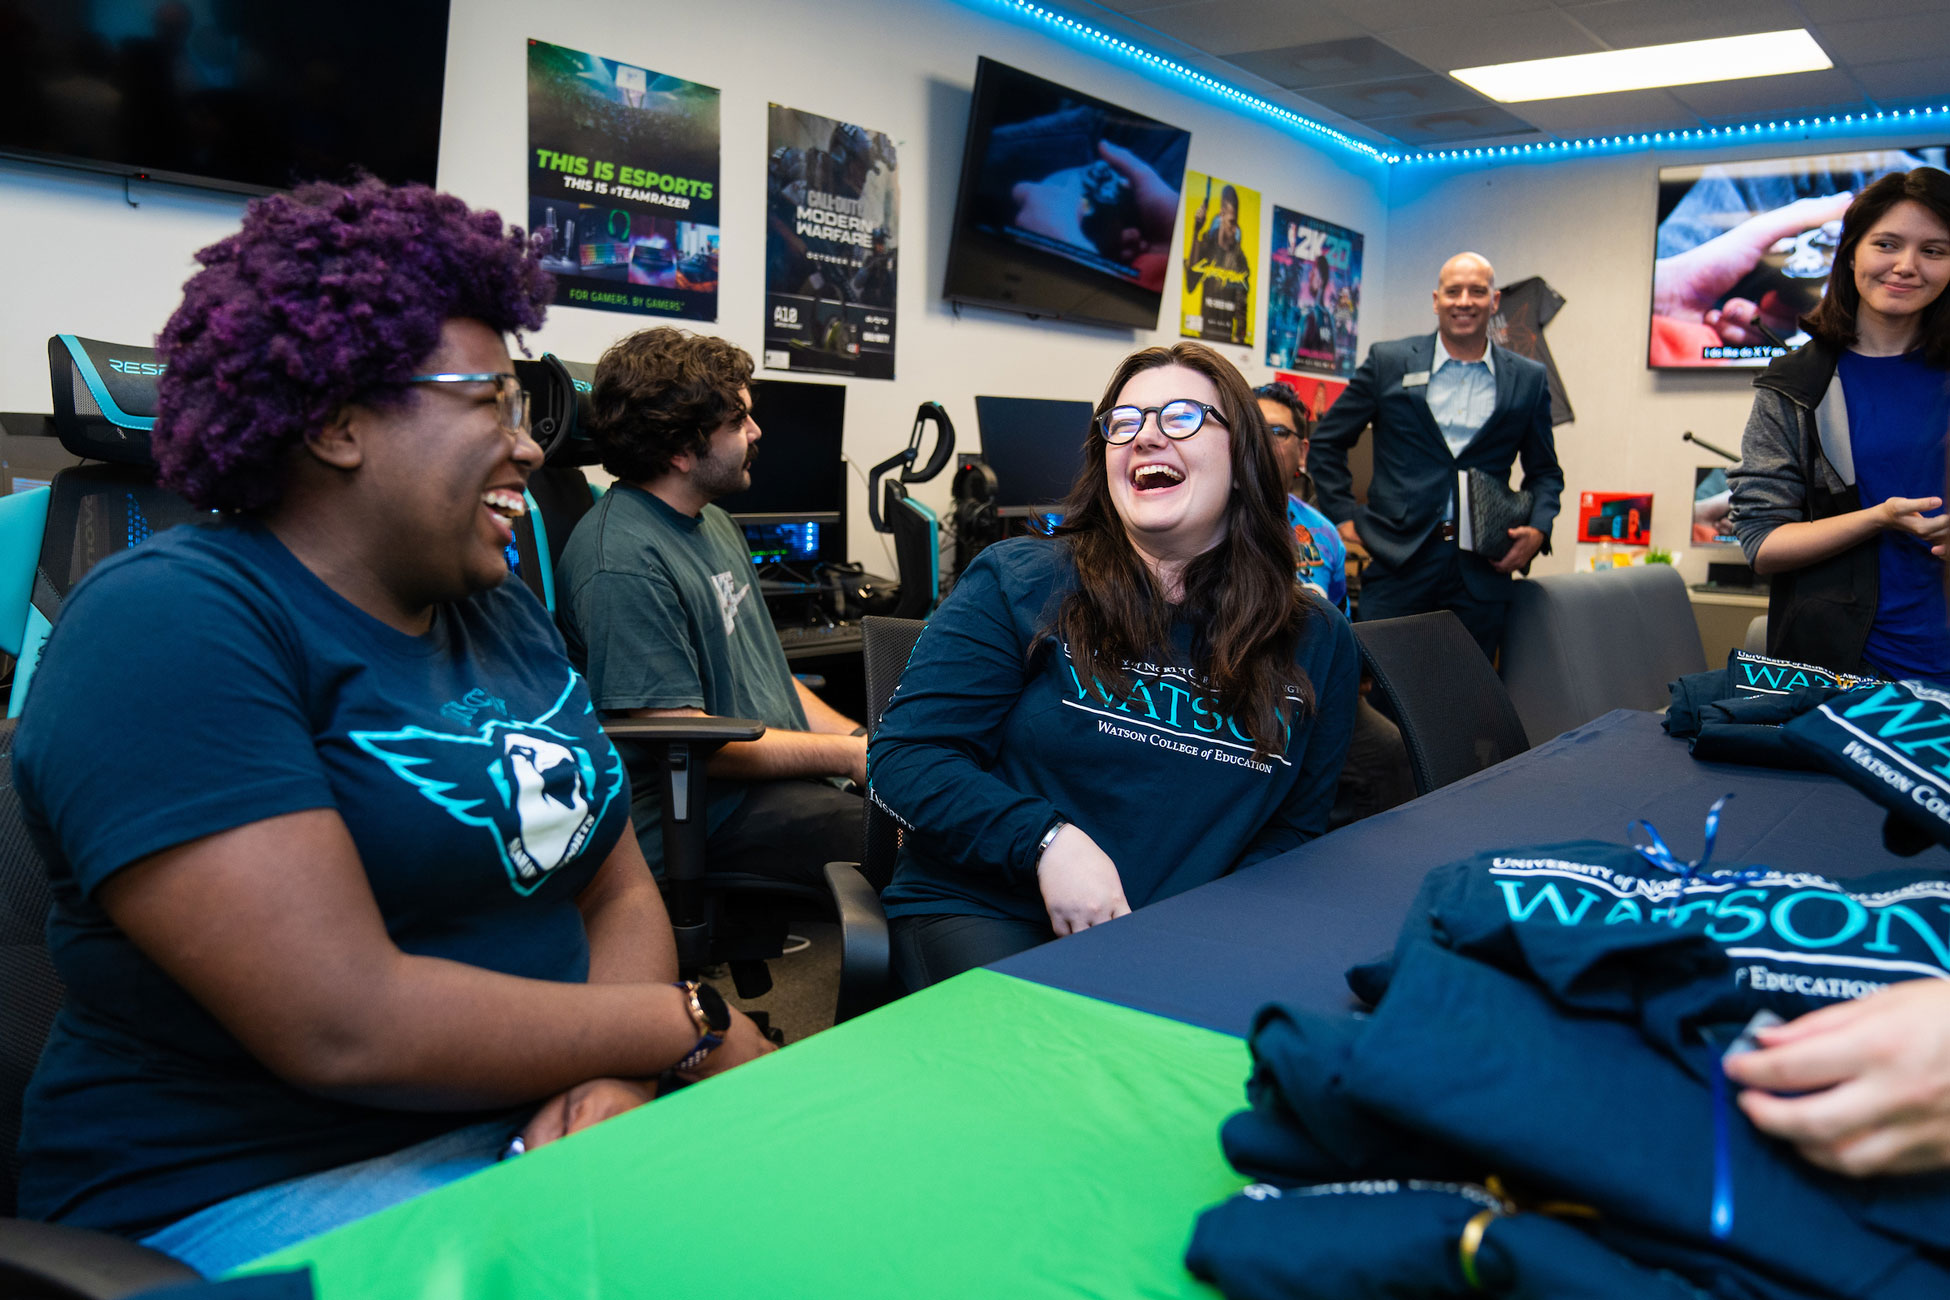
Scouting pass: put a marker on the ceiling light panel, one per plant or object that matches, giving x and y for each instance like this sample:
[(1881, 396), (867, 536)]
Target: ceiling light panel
[(1688, 63)]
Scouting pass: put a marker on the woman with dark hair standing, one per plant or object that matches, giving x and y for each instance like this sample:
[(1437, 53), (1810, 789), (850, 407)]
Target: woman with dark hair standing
[(351, 892), (1839, 492), (1141, 705)]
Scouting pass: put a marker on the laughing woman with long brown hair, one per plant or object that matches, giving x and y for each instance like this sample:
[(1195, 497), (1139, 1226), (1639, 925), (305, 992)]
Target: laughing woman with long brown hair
[(1141, 705)]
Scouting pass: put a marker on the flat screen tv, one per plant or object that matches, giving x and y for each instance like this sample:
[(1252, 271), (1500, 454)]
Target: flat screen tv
[(1744, 249), (1067, 204), (244, 95)]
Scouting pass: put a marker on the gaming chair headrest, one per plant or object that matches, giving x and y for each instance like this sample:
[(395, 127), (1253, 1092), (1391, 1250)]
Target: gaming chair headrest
[(104, 398), (558, 402)]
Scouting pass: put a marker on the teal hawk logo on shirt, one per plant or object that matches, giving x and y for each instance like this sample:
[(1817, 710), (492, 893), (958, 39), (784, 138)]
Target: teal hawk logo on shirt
[(532, 786)]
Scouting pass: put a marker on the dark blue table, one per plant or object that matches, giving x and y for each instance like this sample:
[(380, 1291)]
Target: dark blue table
[(1289, 928)]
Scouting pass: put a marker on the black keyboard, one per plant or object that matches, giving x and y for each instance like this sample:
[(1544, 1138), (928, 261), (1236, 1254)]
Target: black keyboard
[(823, 638)]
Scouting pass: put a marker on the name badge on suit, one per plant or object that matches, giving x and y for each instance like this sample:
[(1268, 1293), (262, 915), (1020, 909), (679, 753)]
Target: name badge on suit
[(1416, 379)]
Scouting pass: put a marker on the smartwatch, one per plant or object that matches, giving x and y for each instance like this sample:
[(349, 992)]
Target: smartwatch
[(712, 1018)]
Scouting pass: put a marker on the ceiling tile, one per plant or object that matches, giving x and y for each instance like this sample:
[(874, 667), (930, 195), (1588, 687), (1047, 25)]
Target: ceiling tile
[(1829, 11), (1753, 97), (1447, 126), (1224, 26), (1496, 38), (1133, 6), (1391, 15), (1624, 113), (1397, 97), (1908, 80), (1329, 63), (1882, 39), (1627, 24)]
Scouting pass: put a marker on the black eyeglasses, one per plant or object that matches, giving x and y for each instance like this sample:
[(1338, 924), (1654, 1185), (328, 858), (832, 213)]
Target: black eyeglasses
[(1177, 420), (509, 396)]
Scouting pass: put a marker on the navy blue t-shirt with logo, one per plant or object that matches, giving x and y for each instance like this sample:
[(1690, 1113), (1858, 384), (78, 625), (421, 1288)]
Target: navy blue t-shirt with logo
[(984, 747), (208, 680)]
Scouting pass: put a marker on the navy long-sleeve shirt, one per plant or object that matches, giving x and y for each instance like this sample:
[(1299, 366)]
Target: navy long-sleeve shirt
[(983, 749)]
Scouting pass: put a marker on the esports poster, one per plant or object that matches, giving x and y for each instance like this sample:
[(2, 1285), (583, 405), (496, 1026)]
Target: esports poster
[(1313, 299), (832, 240), (1744, 249), (1316, 393), (1221, 239), (623, 184)]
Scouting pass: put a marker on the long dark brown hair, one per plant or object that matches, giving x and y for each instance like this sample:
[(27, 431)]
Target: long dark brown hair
[(1833, 319), (1241, 599)]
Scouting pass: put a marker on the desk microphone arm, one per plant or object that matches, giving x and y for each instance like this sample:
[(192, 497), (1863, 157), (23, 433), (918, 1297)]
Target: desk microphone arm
[(1717, 451)]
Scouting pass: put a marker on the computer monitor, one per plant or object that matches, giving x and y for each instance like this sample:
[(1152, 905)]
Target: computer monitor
[(795, 510), (1035, 446)]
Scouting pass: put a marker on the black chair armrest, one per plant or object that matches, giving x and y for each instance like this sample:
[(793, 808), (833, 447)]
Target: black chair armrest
[(697, 728), (50, 1259), (866, 974)]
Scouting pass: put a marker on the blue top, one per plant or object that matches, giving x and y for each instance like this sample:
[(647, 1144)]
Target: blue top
[(208, 680), (1898, 413), (985, 747), (1323, 553)]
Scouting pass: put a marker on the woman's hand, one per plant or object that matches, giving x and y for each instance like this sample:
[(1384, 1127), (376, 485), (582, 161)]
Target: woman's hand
[(581, 1106), (742, 1043), (1907, 515), (1081, 887), (1875, 1074)]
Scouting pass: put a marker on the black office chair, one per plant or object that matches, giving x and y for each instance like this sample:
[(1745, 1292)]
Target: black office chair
[(1455, 715), (44, 1259), (866, 972)]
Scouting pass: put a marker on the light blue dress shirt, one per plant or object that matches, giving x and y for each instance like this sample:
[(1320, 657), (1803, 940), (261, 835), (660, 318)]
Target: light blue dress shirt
[(1462, 397)]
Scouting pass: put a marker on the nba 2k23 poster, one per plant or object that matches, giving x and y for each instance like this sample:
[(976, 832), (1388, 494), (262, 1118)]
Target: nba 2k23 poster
[(623, 184), (832, 237), (1313, 304), (1221, 238)]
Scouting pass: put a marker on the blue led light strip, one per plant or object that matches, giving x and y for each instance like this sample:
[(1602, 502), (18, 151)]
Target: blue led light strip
[(1749, 133), (1158, 63), (1718, 135)]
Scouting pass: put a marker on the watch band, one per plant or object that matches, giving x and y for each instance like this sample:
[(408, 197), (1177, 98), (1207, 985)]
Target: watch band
[(709, 1039)]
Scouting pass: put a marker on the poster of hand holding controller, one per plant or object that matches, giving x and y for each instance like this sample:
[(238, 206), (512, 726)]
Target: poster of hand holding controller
[(623, 184)]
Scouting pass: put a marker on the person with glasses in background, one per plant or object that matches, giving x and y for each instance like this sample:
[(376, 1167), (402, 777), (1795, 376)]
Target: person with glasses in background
[(349, 907), (1376, 776), (1136, 706)]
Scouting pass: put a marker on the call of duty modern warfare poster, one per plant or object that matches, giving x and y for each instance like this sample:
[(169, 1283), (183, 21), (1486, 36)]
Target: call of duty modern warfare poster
[(623, 184), (1313, 303), (832, 243)]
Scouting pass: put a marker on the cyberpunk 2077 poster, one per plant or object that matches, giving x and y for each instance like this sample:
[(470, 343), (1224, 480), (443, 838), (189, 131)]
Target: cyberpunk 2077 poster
[(623, 184), (832, 237), (1313, 307), (1221, 238)]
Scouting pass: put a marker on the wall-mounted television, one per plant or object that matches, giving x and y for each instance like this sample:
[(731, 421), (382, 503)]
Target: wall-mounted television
[(250, 97), (1068, 204), (1744, 249)]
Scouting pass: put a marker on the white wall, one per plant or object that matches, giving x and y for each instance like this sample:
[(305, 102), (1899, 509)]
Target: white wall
[(1586, 225), (82, 261)]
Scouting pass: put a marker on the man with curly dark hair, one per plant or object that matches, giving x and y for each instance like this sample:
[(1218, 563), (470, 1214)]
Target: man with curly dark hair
[(660, 609), (352, 892)]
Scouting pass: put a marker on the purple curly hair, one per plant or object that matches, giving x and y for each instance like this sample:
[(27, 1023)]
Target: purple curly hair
[(329, 295)]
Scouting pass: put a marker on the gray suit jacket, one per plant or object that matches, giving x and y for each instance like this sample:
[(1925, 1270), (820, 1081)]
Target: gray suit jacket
[(1414, 471)]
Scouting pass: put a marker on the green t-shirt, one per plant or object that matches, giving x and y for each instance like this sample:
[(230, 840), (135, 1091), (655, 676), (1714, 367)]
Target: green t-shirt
[(661, 610)]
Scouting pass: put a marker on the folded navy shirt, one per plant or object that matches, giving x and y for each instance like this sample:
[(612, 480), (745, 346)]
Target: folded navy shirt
[(1400, 1238), (1891, 741)]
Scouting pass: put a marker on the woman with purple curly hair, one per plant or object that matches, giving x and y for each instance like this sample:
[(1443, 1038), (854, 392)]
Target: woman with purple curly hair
[(353, 891)]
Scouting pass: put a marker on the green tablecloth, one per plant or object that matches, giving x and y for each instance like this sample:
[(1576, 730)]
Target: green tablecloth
[(989, 1137)]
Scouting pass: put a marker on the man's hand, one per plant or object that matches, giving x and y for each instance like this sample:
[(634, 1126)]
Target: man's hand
[(1876, 1074), (742, 1043), (1157, 202), (1081, 887), (1053, 206), (1348, 533), (581, 1106), (1525, 542)]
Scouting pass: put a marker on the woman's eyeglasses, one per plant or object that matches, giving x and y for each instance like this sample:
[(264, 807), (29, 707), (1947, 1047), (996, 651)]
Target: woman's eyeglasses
[(509, 396), (1176, 420)]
